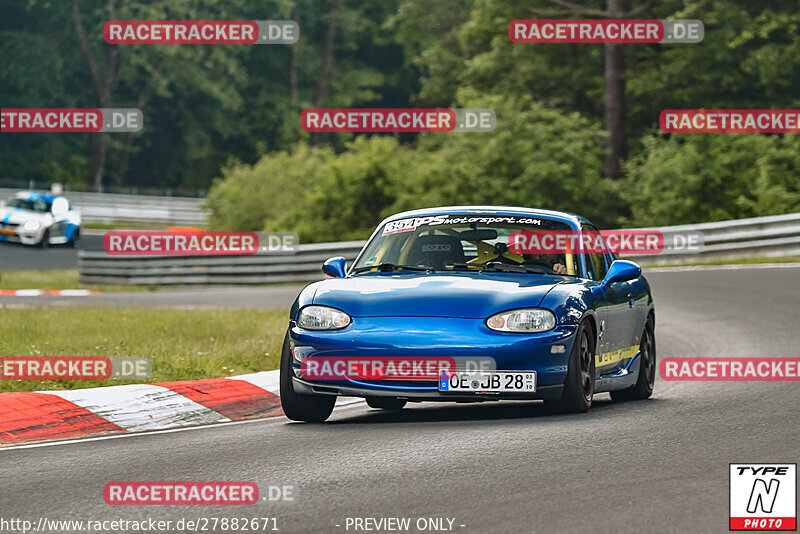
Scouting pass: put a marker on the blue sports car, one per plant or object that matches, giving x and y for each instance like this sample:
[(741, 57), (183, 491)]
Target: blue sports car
[(439, 307)]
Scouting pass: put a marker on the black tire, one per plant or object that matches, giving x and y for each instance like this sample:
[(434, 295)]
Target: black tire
[(45, 242), (647, 368), (579, 384), (385, 403), (72, 243), (298, 406)]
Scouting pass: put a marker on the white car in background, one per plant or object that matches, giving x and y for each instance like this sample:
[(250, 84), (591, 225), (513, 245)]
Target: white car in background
[(40, 219)]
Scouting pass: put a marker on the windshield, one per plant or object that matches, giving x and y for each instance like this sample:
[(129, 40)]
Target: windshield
[(30, 205), (462, 243)]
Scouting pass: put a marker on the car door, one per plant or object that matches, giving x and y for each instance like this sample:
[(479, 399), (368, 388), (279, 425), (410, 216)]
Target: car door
[(625, 315), (608, 339), (605, 341), (619, 312)]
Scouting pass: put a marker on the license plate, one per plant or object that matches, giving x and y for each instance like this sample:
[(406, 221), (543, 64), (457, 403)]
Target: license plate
[(6, 231), (492, 381)]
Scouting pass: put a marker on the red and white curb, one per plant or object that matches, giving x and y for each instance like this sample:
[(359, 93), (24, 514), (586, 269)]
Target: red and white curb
[(43, 292), (44, 415)]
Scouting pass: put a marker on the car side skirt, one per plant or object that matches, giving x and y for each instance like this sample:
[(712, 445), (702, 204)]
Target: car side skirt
[(622, 379)]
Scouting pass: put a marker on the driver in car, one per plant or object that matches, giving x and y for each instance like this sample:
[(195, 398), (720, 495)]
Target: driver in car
[(550, 261)]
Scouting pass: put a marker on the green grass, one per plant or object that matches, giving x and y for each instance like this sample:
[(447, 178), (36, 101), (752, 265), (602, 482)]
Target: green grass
[(57, 279), (182, 344)]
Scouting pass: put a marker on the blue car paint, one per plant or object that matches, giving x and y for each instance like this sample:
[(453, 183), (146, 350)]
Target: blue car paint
[(442, 338), (4, 237), (437, 294), (70, 230), (443, 313)]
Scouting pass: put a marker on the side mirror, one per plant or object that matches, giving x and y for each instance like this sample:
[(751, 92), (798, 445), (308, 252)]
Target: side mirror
[(60, 207), (335, 267), (622, 271)]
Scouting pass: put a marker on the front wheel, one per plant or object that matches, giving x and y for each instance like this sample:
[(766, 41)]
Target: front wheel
[(385, 403), (579, 384), (647, 368), (45, 241), (297, 406), (75, 238)]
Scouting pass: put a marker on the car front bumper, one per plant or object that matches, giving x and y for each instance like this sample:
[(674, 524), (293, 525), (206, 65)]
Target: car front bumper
[(420, 394), (432, 337), (26, 237)]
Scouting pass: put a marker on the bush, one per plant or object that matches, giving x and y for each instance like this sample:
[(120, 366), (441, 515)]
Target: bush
[(249, 195), (536, 157), (351, 194), (689, 178)]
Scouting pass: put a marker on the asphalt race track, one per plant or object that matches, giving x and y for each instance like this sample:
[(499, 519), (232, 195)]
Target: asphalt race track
[(652, 466), (15, 256), (266, 298)]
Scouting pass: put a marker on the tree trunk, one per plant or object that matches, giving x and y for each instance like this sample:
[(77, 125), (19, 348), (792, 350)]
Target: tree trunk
[(614, 100), (321, 92), (323, 82), (99, 148), (105, 81), (294, 94), (124, 157), (127, 143)]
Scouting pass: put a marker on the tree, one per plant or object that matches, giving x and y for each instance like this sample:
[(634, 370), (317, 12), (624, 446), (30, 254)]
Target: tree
[(689, 178), (105, 76), (614, 109)]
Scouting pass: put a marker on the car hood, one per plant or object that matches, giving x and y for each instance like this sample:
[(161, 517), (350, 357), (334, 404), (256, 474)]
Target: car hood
[(466, 295), (19, 216)]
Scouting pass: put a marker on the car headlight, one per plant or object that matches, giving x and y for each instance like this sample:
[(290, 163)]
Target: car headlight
[(523, 320), (31, 226), (322, 318)]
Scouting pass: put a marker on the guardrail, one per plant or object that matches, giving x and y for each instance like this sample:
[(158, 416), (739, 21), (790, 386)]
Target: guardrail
[(773, 236), (769, 237), (97, 267), (114, 208)]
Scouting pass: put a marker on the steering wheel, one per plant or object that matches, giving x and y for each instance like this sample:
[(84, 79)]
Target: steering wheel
[(498, 251)]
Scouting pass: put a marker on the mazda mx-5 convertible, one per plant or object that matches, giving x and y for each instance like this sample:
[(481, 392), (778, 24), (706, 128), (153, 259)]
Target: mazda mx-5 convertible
[(445, 304)]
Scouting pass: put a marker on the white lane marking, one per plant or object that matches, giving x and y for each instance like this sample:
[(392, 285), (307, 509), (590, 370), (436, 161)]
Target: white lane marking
[(266, 420), (346, 401), (48, 292), (735, 267), (270, 381), (143, 409), (75, 292), (138, 407), (28, 292)]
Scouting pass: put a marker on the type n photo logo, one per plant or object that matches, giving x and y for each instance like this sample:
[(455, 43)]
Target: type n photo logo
[(763, 497)]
